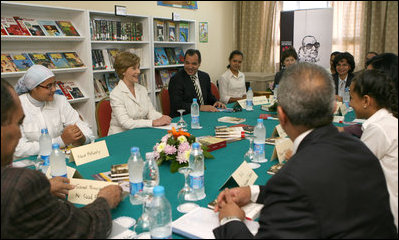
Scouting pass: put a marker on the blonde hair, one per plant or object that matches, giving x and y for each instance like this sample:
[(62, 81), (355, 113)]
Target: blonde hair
[(123, 61)]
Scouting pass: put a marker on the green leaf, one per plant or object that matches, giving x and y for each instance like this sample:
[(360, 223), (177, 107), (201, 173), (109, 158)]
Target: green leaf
[(175, 165), (207, 154)]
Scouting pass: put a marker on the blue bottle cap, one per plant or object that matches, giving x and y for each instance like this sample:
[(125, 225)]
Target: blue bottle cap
[(159, 191), (194, 100), (56, 146), (134, 149), (260, 120), (195, 145), (249, 88), (44, 130)]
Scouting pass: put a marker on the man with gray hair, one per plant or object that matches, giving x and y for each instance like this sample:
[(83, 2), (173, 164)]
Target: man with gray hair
[(332, 187)]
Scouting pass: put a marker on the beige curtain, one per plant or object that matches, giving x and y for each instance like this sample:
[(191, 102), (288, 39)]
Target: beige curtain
[(258, 34)]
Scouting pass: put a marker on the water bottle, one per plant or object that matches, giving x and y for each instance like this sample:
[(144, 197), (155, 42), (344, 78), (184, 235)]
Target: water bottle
[(196, 163), (57, 162), (135, 165), (346, 98), (195, 123), (160, 215), (150, 173), (249, 102), (259, 142), (275, 91), (45, 149)]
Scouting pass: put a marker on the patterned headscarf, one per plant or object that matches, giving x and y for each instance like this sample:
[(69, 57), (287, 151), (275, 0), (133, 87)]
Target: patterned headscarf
[(35, 75)]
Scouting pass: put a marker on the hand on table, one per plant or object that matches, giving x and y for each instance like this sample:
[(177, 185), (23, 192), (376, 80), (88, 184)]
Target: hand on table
[(218, 104), (59, 186), (228, 207), (164, 120), (73, 135), (240, 195), (111, 193)]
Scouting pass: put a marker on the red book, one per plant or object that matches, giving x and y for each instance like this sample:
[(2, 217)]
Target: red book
[(11, 26), (22, 26), (64, 91), (3, 30), (212, 143)]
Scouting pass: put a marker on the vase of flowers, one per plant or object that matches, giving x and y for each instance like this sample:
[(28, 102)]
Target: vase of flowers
[(175, 147)]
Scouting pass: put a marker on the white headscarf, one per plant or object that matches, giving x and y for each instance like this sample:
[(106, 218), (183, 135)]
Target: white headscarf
[(35, 75)]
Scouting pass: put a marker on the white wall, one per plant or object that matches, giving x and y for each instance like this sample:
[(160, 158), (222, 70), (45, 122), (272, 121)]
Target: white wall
[(218, 14)]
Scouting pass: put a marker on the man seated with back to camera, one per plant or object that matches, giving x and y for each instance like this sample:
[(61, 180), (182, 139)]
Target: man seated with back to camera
[(333, 185), (28, 209)]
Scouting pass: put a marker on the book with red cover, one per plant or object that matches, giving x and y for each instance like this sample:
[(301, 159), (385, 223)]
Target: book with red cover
[(33, 26), (212, 143), (3, 31), (22, 26), (64, 91), (11, 26)]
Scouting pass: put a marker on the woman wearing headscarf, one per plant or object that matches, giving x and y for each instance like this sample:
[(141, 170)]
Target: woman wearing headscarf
[(44, 109)]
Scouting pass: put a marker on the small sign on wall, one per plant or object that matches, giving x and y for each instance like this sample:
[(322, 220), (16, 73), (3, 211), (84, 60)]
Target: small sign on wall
[(203, 32)]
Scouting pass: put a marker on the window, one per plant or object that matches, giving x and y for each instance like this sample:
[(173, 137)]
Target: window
[(298, 5)]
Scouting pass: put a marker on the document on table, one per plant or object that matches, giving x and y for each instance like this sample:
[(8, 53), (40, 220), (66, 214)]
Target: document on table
[(167, 127)]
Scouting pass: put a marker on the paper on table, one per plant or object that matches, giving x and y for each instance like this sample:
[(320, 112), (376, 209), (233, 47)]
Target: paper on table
[(86, 191), (168, 127), (259, 100), (200, 223)]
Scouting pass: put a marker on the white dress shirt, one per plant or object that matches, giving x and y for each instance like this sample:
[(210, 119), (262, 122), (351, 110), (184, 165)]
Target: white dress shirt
[(128, 111), (54, 116), (231, 86), (380, 134), (341, 86)]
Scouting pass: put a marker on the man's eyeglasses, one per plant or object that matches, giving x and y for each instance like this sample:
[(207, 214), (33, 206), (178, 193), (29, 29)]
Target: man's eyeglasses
[(48, 86)]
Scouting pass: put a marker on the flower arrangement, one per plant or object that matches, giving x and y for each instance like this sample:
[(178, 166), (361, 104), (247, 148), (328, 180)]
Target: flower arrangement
[(175, 147)]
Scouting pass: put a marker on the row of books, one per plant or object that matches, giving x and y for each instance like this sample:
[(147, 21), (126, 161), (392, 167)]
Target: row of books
[(171, 31), (69, 89), (52, 60), (109, 30), (163, 76), (168, 56), (32, 27), (105, 58)]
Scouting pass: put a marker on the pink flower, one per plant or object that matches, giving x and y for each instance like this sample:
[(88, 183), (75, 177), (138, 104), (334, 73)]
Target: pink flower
[(165, 138), (184, 147), (170, 150), (155, 147), (182, 157), (156, 154)]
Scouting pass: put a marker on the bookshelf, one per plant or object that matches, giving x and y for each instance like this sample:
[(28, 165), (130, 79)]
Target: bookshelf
[(43, 44)]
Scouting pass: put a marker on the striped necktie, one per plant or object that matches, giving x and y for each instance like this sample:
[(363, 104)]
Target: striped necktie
[(199, 95)]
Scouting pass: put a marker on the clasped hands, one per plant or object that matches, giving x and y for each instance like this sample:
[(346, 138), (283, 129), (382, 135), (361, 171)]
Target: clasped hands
[(212, 108), (230, 201), (73, 135)]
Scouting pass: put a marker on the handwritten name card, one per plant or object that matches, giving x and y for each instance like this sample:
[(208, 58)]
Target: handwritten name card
[(242, 176), (86, 191), (279, 132), (281, 147), (259, 100), (88, 153)]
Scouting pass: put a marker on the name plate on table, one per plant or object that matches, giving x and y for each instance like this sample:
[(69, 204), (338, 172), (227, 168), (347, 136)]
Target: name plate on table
[(341, 109), (243, 176), (281, 147), (86, 191), (260, 100), (279, 132), (89, 152)]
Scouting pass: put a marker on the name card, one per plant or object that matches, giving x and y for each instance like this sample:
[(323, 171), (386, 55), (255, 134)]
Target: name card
[(338, 119), (86, 191), (88, 153), (279, 132), (243, 176), (281, 147), (341, 109), (259, 100)]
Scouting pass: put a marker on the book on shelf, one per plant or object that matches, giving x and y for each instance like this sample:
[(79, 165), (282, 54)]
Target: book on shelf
[(143, 80), (158, 79), (67, 28), (111, 79), (172, 72), (107, 62), (179, 54), (112, 53), (98, 59), (171, 31), (3, 30), (58, 59), (183, 32), (34, 27), (73, 88), (42, 59), (160, 56), (99, 89), (11, 26), (64, 91), (170, 53), (7, 64), (50, 28), (73, 59), (58, 90), (159, 28), (165, 77), (22, 26), (139, 31), (22, 61)]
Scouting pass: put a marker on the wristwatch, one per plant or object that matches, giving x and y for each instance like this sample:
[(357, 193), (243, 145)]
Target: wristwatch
[(229, 219)]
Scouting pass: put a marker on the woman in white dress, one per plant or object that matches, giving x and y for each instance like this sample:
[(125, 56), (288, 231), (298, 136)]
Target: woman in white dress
[(130, 103)]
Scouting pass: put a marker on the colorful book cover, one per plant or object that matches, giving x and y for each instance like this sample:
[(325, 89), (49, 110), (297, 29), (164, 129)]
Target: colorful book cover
[(59, 60), (111, 80), (73, 89), (58, 90), (42, 59), (164, 76), (33, 26), (22, 61), (3, 31), (22, 26), (183, 32), (67, 28), (139, 31), (170, 53), (112, 53), (179, 54), (11, 26), (64, 91), (7, 65), (159, 30), (50, 27), (171, 28), (73, 59), (160, 56)]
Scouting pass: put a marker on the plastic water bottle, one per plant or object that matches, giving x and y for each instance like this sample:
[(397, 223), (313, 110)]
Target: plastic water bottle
[(346, 98), (195, 122), (160, 215), (150, 173), (249, 102), (135, 165), (259, 142), (196, 163), (45, 149), (275, 91), (57, 162)]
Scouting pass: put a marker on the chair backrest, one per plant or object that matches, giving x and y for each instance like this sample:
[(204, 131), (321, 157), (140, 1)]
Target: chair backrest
[(103, 116), (215, 91), (165, 101)]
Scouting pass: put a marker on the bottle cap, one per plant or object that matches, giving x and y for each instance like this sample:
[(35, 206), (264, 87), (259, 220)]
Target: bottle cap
[(134, 149), (249, 88), (260, 120), (149, 155), (56, 146), (194, 100), (159, 191), (195, 145), (44, 130)]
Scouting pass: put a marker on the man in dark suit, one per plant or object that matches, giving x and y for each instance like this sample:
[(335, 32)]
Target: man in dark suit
[(332, 187), (28, 207), (191, 83)]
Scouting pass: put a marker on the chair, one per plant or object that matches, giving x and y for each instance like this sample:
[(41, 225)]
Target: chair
[(165, 102), (103, 116), (215, 91)]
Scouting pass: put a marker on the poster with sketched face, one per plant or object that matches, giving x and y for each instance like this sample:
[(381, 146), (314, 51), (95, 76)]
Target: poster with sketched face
[(313, 35)]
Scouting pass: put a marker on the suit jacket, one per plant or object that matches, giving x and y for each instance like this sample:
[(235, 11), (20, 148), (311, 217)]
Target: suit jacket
[(181, 91), (333, 187), (29, 210), (348, 81)]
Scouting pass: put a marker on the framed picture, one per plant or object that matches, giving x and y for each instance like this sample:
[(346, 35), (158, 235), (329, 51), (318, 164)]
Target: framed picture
[(203, 32), (179, 4)]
